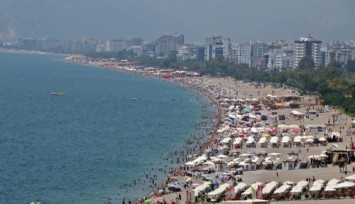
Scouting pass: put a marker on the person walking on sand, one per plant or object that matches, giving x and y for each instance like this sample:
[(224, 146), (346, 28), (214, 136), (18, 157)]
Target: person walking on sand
[(277, 175)]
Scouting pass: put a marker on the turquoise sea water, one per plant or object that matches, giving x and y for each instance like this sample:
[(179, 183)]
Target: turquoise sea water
[(92, 142)]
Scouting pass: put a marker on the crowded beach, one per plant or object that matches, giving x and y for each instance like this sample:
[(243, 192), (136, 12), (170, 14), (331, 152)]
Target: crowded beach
[(268, 144)]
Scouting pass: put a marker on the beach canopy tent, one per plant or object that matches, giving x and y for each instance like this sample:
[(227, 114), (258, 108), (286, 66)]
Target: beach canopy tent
[(283, 189), (285, 139), (237, 141), (345, 184), (322, 139), (351, 177), (226, 140), (282, 126), (274, 140), (299, 186), (262, 140), (254, 186), (297, 113), (331, 185), (274, 154), (221, 189), (198, 160), (250, 140), (201, 188), (240, 187), (317, 186), (269, 187)]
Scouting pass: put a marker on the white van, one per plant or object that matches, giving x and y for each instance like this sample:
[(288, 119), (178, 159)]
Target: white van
[(312, 114)]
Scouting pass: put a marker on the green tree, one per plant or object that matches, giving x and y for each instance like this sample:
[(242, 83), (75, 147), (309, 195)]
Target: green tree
[(306, 63), (350, 66)]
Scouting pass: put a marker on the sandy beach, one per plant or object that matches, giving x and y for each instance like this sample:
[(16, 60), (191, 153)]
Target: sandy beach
[(221, 88)]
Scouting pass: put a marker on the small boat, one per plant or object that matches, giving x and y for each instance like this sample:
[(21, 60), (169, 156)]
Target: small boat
[(134, 99), (58, 93)]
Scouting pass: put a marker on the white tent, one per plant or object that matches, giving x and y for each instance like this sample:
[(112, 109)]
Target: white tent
[(322, 139), (221, 189), (226, 140), (239, 187), (346, 184), (317, 186), (299, 187), (309, 140), (269, 187), (351, 177), (237, 140), (283, 188), (336, 134), (274, 140), (282, 126), (262, 140), (255, 186), (294, 112), (201, 188), (293, 126), (250, 140), (297, 139), (331, 185), (285, 139)]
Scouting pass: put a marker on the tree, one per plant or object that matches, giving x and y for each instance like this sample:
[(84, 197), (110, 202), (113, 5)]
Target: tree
[(306, 63), (335, 64), (172, 56), (350, 66)]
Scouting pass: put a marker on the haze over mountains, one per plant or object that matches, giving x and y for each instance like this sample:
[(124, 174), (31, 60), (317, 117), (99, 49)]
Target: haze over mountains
[(241, 20)]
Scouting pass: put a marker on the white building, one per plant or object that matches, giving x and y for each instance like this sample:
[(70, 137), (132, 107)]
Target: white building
[(217, 46), (307, 47), (244, 54), (115, 45)]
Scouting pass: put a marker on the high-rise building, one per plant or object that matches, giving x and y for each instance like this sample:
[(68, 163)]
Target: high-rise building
[(257, 54), (167, 43), (307, 47), (115, 45), (244, 54), (217, 46), (134, 42)]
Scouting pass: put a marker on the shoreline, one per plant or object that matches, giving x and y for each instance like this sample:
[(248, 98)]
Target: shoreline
[(181, 82)]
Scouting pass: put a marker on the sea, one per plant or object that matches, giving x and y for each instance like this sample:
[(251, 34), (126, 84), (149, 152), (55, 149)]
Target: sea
[(105, 140)]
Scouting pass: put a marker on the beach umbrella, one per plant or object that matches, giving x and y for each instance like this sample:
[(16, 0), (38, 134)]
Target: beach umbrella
[(266, 135), (214, 182)]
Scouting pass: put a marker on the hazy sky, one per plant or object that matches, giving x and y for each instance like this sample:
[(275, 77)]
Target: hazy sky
[(241, 20)]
